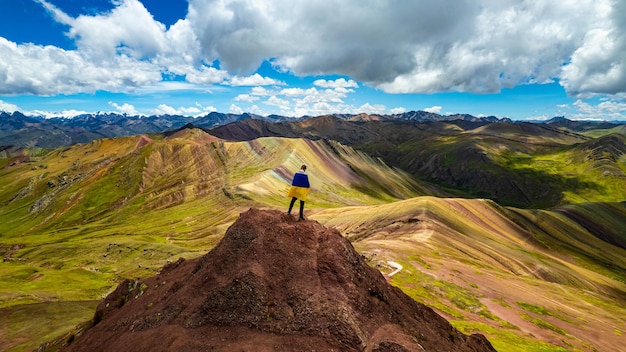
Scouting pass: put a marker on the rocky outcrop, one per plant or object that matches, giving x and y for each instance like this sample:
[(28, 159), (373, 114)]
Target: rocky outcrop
[(271, 284)]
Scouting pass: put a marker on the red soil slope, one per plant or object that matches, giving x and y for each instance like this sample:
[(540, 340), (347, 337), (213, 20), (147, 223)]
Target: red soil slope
[(272, 284)]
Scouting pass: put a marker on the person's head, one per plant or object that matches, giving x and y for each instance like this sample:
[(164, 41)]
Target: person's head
[(303, 167)]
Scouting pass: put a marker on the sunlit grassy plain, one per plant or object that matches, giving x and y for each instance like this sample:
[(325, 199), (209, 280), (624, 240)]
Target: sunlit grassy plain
[(76, 220)]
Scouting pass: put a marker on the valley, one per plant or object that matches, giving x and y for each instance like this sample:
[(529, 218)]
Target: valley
[(515, 231)]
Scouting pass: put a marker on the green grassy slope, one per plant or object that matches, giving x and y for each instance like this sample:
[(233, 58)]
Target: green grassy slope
[(530, 280), (595, 133), (593, 171), (520, 164)]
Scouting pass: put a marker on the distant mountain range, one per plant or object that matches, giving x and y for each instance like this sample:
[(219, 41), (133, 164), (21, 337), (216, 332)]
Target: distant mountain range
[(19, 130), (460, 155)]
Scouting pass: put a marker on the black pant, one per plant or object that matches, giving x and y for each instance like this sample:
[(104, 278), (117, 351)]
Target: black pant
[(293, 200)]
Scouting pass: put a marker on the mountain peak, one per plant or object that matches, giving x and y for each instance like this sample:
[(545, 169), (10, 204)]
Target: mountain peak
[(557, 119), (272, 283)]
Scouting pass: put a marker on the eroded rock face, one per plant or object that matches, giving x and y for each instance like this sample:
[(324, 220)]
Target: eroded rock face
[(271, 284)]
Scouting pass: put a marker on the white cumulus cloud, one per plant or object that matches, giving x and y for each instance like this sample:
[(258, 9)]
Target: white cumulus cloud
[(234, 109), (197, 110), (48, 70), (372, 109), (125, 108), (398, 110), (434, 109), (283, 104), (246, 97), (254, 80), (604, 110), (338, 83), (8, 107), (598, 64), (206, 75), (127, 29)]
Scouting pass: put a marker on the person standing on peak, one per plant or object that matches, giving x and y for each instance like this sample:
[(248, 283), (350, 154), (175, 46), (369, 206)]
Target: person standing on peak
[(300, 188)]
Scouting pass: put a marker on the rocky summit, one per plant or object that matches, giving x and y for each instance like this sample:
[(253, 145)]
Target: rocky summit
[(272, 284)]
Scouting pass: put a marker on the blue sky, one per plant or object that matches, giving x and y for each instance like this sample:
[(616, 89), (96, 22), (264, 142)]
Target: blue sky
[(509, 58)]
